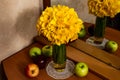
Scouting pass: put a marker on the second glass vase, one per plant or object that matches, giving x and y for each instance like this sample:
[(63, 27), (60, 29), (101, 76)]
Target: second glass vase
[(99, 29), (98, 39)]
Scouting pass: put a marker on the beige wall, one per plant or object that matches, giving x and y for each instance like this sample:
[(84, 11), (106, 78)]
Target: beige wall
[(17, 24), (18, 19), (80, 6)]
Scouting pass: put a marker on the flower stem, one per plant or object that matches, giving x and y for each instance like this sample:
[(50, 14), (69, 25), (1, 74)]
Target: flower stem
[(59, 57), (100, 26), (99, 29)]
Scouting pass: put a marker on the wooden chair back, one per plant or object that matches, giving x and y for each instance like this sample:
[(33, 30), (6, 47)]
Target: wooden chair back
[(46, 3)]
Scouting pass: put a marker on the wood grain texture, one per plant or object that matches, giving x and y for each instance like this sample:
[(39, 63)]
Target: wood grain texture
[(110, 34), (14, 67), (95, 65), (99, 54)]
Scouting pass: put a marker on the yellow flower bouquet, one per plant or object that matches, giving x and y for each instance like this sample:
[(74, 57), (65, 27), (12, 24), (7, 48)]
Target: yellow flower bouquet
[(59, 24), (102, 9)]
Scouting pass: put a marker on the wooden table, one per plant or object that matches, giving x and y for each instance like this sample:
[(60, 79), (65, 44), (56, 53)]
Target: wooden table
[(110, 34), (14, 66)]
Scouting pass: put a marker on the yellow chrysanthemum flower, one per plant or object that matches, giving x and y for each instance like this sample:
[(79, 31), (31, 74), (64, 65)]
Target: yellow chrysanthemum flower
[(103, 8), (60, 24)]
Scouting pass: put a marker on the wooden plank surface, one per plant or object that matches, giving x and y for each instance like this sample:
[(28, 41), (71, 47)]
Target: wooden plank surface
[(110, 34), (114, 35), (95, 65), (14, 67), (99, 54)]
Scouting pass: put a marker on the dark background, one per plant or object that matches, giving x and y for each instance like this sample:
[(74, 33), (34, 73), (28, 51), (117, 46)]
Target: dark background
[(114, 22)]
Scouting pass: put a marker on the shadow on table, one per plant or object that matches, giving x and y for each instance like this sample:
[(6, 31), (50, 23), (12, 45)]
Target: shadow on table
[(2, 74)]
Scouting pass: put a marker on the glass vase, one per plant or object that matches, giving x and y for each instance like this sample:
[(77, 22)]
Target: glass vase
[(59, 57), (98, 39), (99, 29), (60, 67)]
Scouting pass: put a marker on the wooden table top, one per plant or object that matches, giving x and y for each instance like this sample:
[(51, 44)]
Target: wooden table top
[(14, 66), (110, 34)]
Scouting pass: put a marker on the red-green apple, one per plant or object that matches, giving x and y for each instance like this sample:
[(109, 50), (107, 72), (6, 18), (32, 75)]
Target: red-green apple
[(111, 46), (34, 51), (47, 50), (81, 69), (32, 70), (82, 32)]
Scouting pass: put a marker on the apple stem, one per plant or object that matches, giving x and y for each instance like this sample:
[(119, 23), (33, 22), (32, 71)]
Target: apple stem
[(36, 53), (113, 43), (82, 66), (47, 47), (33, 71)]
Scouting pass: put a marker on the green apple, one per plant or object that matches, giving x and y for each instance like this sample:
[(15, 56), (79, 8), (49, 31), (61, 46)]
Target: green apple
[(81, 69), (111, 46), (82, 32), (34, 51), (47, 50)]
